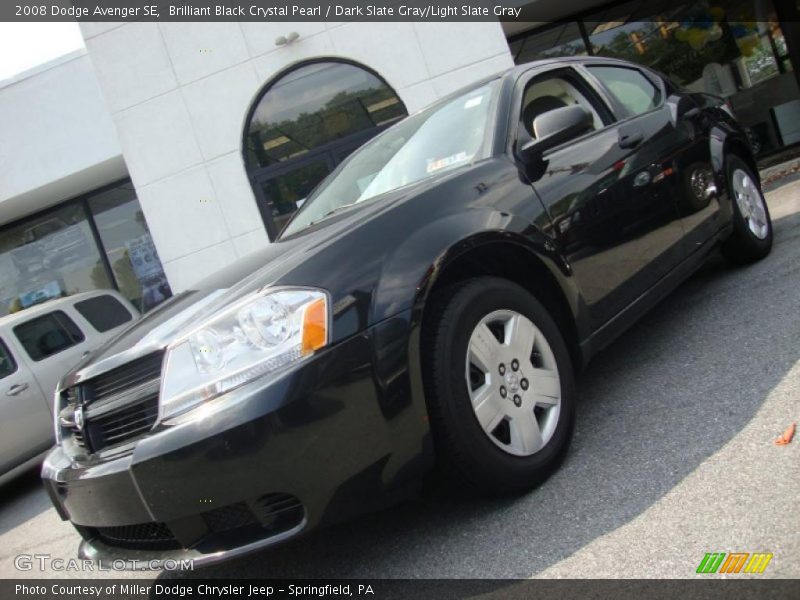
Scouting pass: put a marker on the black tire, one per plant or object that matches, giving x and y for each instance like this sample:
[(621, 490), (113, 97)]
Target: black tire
[(465, 451), (743, 246), (694, 200)]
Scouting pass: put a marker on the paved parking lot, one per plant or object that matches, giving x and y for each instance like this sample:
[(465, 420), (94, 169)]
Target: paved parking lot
[(672, 458)]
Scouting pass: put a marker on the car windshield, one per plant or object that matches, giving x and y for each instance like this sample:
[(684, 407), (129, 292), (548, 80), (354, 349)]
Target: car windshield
[(449, 134)]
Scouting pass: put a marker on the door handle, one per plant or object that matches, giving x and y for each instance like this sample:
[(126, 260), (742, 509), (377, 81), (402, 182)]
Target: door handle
[(85, 354), (17, 389), (630, 140)]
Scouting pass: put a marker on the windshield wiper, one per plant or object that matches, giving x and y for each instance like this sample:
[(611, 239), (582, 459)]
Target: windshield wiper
[(332, 212)]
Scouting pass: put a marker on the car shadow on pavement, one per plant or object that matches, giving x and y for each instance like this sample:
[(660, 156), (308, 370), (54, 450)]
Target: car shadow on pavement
[(653, 406), (21, 499)]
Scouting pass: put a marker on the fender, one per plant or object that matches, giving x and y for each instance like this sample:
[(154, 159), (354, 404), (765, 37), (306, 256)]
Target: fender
[(408, 274), (722, 138), (404, 285)]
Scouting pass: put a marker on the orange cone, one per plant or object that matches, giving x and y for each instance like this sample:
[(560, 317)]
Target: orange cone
[(786, 436)]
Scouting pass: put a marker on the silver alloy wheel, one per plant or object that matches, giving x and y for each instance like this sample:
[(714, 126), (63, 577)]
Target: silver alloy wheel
[(702, 184), (513, 383), (750, 202)]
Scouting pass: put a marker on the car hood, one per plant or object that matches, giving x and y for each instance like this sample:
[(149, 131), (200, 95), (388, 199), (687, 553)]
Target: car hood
[(266, 267)]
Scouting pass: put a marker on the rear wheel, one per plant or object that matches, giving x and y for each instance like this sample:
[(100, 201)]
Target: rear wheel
[(500, 386), (751, 239)]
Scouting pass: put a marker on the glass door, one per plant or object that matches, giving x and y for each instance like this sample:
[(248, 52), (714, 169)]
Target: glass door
[(282, 191)]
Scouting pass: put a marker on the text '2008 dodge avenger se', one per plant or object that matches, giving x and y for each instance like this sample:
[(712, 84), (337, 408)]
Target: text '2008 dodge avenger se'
[(429, 303)]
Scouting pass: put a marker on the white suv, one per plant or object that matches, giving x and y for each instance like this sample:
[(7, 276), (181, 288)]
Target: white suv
[(37, 347)]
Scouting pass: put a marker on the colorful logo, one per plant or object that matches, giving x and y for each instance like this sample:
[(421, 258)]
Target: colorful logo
[(734, 562)]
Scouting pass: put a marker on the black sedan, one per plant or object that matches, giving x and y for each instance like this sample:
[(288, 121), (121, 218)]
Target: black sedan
[(430, 303)]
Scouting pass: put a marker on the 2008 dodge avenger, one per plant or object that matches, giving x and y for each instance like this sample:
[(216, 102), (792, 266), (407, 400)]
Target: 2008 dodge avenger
[(430, 303)]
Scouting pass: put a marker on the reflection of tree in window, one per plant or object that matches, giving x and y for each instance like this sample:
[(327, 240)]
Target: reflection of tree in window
[(371, 104), (344, 114)]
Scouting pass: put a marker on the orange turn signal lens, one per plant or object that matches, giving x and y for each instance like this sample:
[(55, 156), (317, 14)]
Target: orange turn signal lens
[(315, 326)]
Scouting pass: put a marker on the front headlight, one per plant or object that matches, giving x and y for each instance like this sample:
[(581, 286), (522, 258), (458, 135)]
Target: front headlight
[(255, 336)]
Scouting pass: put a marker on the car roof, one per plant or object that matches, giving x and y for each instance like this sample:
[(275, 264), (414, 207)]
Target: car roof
[(517, 70), (50, 305)]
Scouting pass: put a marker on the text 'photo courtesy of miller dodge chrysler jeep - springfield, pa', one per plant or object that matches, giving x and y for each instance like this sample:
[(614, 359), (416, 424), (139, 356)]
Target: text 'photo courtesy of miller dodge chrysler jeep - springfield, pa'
[(429, 304)]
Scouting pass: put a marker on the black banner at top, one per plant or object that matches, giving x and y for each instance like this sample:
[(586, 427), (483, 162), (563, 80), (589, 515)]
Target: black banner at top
[(268, 10)]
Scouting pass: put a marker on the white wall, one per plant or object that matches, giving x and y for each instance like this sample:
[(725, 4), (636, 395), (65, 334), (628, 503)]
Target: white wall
[(57, 138), (179, 94)]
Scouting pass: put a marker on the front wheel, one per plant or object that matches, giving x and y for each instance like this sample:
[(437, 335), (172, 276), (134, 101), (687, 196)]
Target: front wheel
[(751, 239), (500, 387)]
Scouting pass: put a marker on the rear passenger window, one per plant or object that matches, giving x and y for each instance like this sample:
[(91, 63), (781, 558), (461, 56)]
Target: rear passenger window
[(103, 312), (630, 86), (48, 335), (7, 364)]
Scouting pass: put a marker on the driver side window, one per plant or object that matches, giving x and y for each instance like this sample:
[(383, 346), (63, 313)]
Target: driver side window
[(552, 91)]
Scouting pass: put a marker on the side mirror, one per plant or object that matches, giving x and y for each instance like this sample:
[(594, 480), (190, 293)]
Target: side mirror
[(681, 107), (554, 128)]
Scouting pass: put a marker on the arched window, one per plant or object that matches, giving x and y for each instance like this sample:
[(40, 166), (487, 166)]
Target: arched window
[(306, 122)]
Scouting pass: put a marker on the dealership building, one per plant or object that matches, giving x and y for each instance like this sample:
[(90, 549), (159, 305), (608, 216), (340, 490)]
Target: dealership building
[(165, 151)]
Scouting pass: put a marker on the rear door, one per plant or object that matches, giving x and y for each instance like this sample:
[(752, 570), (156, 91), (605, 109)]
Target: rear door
[(27, 421), (618, 237), (673, 158)]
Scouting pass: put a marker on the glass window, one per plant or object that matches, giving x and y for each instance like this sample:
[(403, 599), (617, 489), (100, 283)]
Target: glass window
[(129, 247), (287, 191), (103, 312), (317, 104), (49, 256), (679, 40), (307, 123), (48, 334), (630, 86), (450, 134), (563, 39), (7, 363), (550, 92), (730, 48), (760, 63)]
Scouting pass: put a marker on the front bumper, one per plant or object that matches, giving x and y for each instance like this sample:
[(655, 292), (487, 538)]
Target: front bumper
[(340, 434)]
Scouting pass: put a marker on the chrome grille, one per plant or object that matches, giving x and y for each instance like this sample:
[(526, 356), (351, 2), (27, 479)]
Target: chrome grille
[(123, 424), (117, 406), (123, 378), (71, 398)]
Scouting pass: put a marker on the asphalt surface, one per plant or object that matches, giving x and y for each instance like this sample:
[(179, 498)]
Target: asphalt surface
[(673, 457)]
